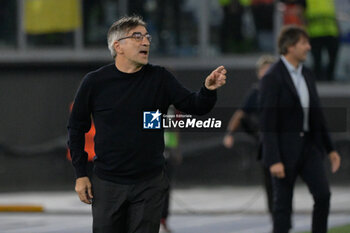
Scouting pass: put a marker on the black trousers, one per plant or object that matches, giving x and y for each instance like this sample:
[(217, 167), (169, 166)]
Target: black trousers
[(268, 189), (136, 208), (311, 169), (168, 172), (318, 44), (231, 28)]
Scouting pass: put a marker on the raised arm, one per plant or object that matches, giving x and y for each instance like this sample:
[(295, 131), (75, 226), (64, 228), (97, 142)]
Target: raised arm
[(197, 103)]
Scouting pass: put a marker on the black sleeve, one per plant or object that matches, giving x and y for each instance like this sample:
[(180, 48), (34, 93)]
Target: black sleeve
[(198, 103), (80, 123), (322, 128), (269, 95), (250, 104)]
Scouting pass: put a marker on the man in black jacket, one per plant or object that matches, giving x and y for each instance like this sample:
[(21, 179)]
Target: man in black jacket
[(128, 186), (248, 117), (294, 134)]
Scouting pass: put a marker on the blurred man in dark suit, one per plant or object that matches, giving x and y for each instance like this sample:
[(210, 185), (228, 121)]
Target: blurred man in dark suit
[(294, 134)]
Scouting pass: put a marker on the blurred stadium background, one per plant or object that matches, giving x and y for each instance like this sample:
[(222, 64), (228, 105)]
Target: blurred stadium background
[(47, 46)]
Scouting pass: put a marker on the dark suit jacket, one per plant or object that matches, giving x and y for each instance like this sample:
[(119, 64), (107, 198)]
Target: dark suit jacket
[(281, 118)]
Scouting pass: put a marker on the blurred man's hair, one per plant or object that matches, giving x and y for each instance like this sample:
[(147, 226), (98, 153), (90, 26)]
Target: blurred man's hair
[(264, 60), (121, 28), (290, 36)]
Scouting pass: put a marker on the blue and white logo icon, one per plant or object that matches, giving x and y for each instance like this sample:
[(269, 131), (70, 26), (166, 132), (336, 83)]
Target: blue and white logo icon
[(151, 120)]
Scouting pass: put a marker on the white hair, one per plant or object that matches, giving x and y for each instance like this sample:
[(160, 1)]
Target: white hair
[(120, 28), (113, 37)]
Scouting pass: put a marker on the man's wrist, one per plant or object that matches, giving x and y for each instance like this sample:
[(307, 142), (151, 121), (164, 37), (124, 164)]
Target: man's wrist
[(229, 132), (208, 91)]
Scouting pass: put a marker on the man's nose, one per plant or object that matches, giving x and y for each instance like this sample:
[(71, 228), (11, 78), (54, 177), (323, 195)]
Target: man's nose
[(308, 46), (145, 41)]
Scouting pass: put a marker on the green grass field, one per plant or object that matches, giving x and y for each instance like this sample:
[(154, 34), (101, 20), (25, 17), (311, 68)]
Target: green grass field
[(341, 229)]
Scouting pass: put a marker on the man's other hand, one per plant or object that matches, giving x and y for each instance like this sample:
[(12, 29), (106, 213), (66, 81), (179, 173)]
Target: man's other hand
[(334, 157), (277, 170), (228, 141), (84, 190)]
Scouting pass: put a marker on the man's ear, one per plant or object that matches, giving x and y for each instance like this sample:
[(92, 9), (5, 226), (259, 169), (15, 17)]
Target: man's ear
[(290, 49), (117, 47)]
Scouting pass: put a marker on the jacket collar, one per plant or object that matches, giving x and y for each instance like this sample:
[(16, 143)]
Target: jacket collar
[(288, 79)]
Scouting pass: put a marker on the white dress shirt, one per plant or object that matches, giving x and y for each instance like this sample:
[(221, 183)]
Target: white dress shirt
[(301, 87)]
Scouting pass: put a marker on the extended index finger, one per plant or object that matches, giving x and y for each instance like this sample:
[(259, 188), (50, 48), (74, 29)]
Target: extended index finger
[(220, 69)]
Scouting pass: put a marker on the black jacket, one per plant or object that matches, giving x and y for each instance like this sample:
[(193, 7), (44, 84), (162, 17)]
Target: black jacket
[(281, 118)]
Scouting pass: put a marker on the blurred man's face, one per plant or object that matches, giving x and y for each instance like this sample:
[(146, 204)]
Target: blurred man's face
[(134, 49), (262, 70), (300, 50)]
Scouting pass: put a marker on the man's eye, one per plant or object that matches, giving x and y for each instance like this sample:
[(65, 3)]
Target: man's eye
[(136, 34)]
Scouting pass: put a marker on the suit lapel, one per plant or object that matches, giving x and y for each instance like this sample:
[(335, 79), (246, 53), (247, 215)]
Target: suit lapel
[(309, 84), (288, 80)]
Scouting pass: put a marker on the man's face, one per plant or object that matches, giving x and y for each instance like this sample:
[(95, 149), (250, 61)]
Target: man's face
[(262, 70), (134, 51), (300, 50)]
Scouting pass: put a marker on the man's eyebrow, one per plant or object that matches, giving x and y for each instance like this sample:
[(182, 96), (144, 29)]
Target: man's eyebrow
[(139, 33)]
